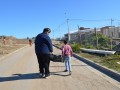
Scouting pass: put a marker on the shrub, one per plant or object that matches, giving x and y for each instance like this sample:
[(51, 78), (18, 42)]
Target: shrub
[(75, 47)]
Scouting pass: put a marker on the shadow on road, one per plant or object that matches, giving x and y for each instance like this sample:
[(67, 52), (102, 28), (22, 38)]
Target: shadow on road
[(20, 77), (71, 65), (59, 73), (33, 75), (28, 76)]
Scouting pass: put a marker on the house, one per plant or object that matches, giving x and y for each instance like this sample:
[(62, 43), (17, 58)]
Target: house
[(111, 31)]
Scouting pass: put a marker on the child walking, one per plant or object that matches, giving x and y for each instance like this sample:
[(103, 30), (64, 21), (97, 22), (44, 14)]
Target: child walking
[(67, 54)]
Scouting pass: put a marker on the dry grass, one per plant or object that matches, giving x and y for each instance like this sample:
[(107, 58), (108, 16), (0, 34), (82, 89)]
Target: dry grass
[(12, 44), (6, 49), (108, 61)]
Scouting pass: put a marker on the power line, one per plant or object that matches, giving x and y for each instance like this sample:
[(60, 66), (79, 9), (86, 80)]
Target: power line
[(58, 29), (86, 20), (83, 20), (60, 25), (89, 20)]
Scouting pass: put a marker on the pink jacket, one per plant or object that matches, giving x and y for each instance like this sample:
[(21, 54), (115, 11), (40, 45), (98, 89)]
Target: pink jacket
[(67, 50)]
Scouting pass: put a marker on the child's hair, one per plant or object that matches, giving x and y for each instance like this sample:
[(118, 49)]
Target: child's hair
[(65, 41)]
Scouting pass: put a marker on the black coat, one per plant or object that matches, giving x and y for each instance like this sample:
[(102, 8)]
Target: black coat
[(43, 44)]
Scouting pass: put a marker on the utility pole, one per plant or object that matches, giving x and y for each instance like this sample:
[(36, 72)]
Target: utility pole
[(111, 34), (119, 27), (68, 30), (79, 34), (53, 34), (111, 22), (60, 32), (111, 43), (96, 38)]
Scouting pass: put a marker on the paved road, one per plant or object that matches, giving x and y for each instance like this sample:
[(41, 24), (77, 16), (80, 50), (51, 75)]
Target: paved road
[(19, 71)]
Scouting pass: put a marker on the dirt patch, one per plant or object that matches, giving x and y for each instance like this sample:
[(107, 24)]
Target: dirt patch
[(9, 44), (6, 49)]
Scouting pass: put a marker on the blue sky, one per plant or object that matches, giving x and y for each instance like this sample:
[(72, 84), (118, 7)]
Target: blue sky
[(27, 18)]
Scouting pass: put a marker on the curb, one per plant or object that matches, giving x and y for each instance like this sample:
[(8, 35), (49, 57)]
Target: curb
[(102, 69)]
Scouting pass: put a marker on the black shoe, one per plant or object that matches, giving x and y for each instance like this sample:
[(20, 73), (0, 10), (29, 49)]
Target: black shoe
[(42, 75), (47, 75), (65, 70)]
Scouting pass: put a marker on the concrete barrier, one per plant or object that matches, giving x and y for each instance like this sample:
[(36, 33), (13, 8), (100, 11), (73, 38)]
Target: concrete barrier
[(98, 51)]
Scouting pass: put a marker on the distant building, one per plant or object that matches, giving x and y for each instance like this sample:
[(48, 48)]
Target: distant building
[(109, 31), (80, 35), (112, 32), (73, 36)]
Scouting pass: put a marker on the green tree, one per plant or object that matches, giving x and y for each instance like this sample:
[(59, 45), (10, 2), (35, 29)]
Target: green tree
[(102, 41)]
